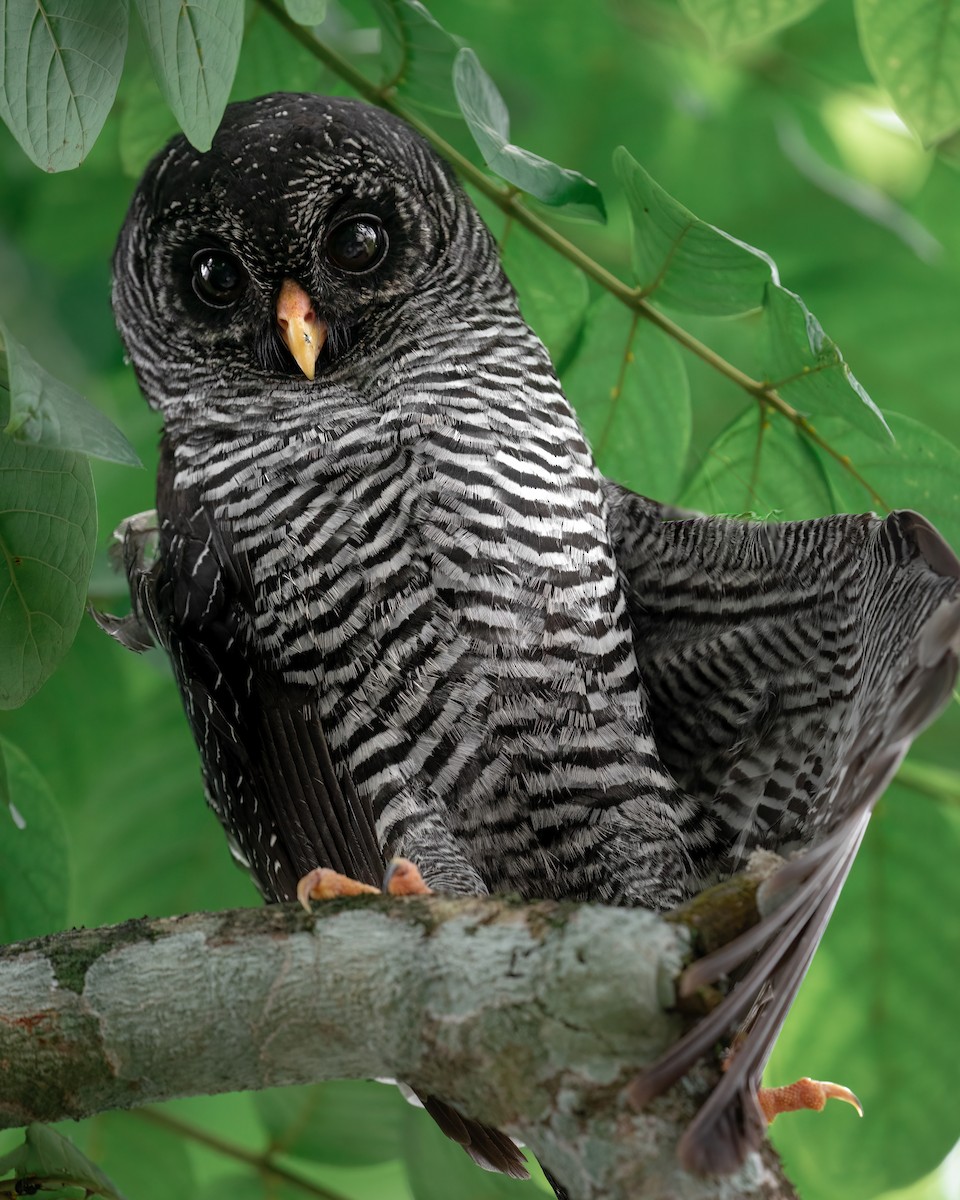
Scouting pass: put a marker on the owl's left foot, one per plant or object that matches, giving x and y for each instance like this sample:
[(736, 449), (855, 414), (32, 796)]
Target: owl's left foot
[(402, 878), (804, 1094)]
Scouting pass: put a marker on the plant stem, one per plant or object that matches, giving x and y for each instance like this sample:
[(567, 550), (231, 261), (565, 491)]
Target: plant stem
[(511, 202), (263, 1162)]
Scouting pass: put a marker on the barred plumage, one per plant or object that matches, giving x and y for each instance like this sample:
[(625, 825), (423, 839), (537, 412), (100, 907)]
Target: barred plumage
[(408, 616)]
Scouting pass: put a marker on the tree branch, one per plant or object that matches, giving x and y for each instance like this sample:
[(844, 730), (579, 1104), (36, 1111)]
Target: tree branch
[(534, 1017)]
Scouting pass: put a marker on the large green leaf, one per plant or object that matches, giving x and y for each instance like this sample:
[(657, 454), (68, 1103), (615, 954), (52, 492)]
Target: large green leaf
[(40, 409), (352, 1123), (730, 23), (48, 1159), (919, 470), (629, 388), (913, 48), (878, 1012), (59, 71), (418, 56), (194, 48), (34, 873), (487, 118), (808, 370), (761, 466), (48, 524), (306, 12), (553, 293), (681, 261)]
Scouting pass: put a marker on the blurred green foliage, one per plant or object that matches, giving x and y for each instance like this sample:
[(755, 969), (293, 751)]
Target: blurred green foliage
[(773, 122)]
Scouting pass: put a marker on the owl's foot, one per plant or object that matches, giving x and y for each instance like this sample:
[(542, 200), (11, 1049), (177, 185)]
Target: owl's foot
[(804, 1094), (402, 878)]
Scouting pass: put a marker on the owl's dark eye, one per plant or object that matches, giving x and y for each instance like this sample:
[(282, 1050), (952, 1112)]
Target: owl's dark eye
[(218, 278), (357, 244)]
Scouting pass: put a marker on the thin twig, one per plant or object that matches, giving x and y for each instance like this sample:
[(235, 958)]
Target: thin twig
[(260, 1162)]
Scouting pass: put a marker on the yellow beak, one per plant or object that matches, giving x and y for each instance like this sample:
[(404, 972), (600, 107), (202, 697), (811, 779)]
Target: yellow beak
[(302, 330)]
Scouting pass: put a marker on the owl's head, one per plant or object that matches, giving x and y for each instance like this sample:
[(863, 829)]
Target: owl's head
[(315, 234)]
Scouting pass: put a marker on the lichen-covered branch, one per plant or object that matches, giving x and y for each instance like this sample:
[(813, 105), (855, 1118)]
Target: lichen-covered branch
[(532, 1017)]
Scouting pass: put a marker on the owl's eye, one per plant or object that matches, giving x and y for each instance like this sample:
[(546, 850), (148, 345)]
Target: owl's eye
[(218, 278), (357, 244)]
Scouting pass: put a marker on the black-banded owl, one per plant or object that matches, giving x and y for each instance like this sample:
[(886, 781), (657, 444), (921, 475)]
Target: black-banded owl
[(408, 616)]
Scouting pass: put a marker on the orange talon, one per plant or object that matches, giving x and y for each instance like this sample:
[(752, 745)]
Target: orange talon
[(804, 1094), (404, 879), (323, 884)]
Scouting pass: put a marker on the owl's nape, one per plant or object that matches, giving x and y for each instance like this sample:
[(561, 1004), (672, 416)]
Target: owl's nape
[(408, 617)]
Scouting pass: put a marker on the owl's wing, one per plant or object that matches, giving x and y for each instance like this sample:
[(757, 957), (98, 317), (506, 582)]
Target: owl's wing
[(788, 668), (286, 805)]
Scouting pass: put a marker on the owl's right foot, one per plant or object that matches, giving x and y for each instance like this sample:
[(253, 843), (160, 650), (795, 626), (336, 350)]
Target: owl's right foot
[(402, 878)]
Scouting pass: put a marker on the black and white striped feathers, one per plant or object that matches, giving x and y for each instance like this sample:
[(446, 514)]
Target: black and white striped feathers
[(408, 616)]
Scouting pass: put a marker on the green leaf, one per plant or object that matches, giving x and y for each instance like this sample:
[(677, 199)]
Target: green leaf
[(913, 50), (146, 122), (683, 262), (808, 370), (43, 411), (48, 525), (47, 1158), (34, 874), (60, 71), (761, 466), (438, 1169), (629, 388), (730, 23), (878, 1011), (194, 48), (553, 293), (147, 1161), (351, 1123), (919, 470), (306, 12), (418, 56), (271, 61), (489, 122)]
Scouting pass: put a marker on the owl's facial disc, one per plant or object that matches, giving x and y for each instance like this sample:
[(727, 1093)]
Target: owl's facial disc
[(300, 327)]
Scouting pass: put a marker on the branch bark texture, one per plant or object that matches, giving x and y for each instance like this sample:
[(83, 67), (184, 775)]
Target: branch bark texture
[(534, 1017)]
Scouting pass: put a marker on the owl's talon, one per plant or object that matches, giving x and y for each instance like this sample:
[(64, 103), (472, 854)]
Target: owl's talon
[(323, 884), (403, 878), (804, 1094)]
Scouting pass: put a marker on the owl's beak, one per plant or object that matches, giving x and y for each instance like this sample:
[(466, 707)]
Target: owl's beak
[(302, 329)]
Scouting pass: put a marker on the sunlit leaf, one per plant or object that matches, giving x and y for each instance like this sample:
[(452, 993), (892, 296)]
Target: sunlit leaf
[(488, 120), (629, 388), (913, 48), (306, 12), (34, 874), (878, 1011), (41, 410), (350, 1123), (553, 293), (761, 466), (808, 370), (48, 525), (59, 72), (418, 56), (47, 1156), (681, 261), (194, 49), (730, 23)]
